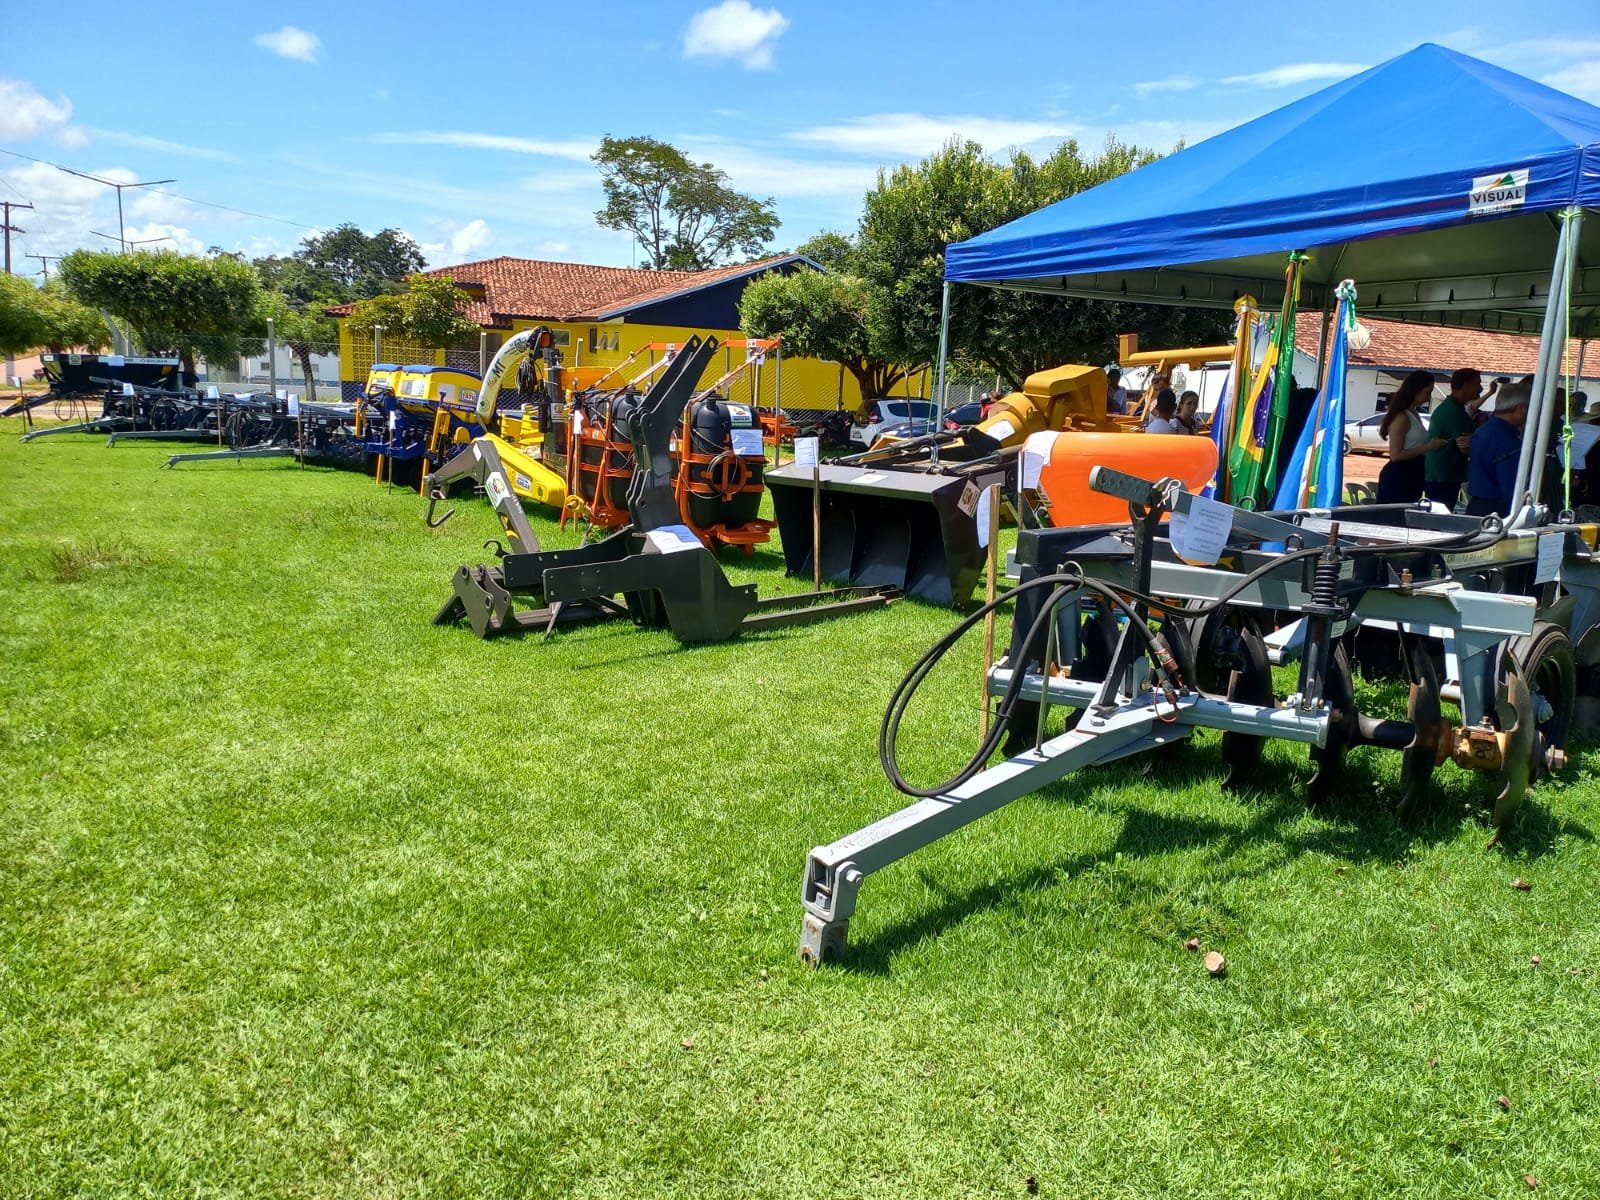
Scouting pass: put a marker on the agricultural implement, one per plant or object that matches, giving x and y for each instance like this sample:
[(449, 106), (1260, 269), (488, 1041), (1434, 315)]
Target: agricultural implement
[(904, 514), (655, 571), (1141, 647)]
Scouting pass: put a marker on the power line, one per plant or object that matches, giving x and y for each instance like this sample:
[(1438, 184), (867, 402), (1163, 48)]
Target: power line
[(243, 212)]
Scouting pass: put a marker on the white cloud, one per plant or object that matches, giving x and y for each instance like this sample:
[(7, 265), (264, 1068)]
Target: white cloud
[(471, 238), (25, 114), (578, 149), (552, 247), (1580, 79), (73, 137), (145, 142), (1176, 83), (781, 175), (913, 135), (1292, 73), (290, 42), (735, 29)]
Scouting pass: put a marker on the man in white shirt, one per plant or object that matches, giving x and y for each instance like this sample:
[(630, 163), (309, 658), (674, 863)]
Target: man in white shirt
[(1166, 413), (1116, 394)]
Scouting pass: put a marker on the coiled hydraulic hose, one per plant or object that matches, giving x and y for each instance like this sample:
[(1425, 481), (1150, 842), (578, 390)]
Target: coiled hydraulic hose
[(1065, 583)]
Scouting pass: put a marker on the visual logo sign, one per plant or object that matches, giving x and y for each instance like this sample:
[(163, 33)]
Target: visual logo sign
[(1497, 193)]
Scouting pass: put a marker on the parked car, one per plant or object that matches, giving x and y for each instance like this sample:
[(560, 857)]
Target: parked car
[(1362, 437), (963, 416), (893, 417)]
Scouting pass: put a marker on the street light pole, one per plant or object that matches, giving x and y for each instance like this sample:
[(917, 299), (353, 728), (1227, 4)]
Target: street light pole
[(122, 229)]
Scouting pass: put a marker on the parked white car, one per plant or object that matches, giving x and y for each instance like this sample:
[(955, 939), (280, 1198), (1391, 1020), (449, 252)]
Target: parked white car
[(895, 417), (1362, 437)]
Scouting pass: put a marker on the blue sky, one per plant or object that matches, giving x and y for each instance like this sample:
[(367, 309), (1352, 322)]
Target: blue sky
[(470, 127)]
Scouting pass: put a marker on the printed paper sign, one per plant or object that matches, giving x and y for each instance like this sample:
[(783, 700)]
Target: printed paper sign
[(1200, 535), (212, 393), (672, 539), (16, 381), (969, 498), (127, 389), (394, 419), (1035, 453), (746, 443), (806, 452), (983, 519), (294, 406), (1547, 567), (1497, 193)]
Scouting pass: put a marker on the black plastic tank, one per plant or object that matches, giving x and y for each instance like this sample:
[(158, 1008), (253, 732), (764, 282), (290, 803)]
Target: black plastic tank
[(714, 469)]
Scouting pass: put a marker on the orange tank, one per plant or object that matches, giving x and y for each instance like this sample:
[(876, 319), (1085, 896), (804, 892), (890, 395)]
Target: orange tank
[(1061, 463)]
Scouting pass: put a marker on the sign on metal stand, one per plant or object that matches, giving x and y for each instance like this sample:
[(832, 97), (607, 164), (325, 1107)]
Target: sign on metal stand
[(807, 453), (988, 518)]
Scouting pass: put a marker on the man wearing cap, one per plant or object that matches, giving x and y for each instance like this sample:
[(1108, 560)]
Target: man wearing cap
[(1495, 448)]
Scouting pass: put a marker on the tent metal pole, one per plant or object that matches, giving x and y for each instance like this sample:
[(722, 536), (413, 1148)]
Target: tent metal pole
[(1558, 351), (944, 351), (1547, 339), (1322, 345)]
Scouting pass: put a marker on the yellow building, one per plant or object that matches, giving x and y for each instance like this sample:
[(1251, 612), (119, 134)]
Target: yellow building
[(602, 315)]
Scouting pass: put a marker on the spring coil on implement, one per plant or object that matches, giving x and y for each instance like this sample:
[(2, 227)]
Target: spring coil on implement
[(1325, 578)]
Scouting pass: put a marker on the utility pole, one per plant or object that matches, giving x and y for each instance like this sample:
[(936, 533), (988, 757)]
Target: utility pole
[(44, 262), (5, 221)]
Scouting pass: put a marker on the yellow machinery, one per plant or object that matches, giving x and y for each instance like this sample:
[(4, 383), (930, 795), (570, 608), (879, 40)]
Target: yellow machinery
[(1194, 358)]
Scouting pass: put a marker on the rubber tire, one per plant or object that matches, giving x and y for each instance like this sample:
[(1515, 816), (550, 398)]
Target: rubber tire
[(1546, 656)]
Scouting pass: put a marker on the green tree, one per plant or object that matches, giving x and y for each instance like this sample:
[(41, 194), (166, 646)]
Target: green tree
[(429, 311), (304, 330), (33, 317), (360, 264), (683, 214), (833, 251), (823, 315), (914, 212), (175, 304)]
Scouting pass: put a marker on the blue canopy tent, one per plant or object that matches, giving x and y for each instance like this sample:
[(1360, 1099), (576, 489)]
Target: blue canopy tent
[(1451, 190)]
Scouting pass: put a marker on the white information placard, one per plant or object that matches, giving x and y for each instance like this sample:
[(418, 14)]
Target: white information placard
[(294, 406), (746, 442), (1200, 535), (212, 393), (807, 452), (1547, 566), (127, 389), (983, 518)]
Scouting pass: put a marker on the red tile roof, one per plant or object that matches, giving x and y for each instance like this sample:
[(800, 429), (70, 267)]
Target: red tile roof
[(1405, 346), (533, 289)]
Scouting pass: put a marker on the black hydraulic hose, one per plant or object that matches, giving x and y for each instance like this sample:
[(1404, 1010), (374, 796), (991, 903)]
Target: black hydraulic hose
[(1065, 583)]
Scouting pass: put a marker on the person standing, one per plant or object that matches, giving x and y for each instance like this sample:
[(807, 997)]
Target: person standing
[(1452, 420), (1165, 419), (1116, 394), (1405, 474), (1188, 417), (1492, 460)]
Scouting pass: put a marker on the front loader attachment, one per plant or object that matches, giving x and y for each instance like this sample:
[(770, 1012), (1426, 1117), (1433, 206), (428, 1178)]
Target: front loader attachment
[(916, 532)]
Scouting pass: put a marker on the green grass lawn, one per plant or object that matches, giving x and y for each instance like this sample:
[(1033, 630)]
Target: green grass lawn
[(302, 896)]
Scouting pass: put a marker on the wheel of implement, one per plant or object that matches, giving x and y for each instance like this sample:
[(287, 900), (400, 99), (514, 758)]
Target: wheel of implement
[(1338, 691), (1537, 694), (1418, 759), (1231, 660)]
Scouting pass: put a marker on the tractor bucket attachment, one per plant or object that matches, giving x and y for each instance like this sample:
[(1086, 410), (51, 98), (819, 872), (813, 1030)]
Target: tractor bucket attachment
[(912, 531)]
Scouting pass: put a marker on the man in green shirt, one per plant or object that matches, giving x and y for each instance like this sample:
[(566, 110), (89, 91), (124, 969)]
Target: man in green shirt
[(1452, 420)]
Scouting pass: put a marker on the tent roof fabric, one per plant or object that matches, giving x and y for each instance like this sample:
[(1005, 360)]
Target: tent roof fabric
[(1397, 151)]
